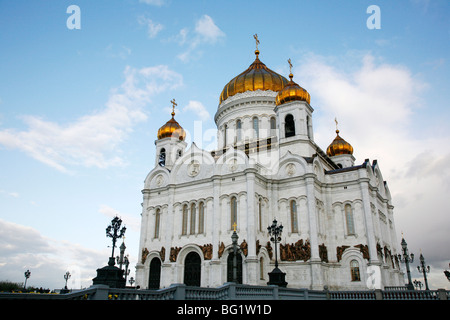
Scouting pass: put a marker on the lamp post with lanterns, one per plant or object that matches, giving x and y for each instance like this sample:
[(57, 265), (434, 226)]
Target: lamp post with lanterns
[(27, 275), (406, 258), (234, 240), (424, 270), (111, 275), (447, 273), (418, 284), (276, 277), (115, 232)]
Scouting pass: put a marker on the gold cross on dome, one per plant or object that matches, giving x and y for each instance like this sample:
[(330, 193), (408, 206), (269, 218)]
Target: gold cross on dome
[(256, 39), (335, 120), (234, 226), (173, 106), (290, 65)]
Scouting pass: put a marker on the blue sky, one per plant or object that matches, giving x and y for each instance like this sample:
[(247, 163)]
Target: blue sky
[(80, 108)]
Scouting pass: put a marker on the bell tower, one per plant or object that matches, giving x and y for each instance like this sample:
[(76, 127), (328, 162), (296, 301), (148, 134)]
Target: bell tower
[(294, 116), (170, 144)]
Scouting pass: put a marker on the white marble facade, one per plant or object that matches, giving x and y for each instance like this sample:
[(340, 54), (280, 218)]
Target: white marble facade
[(338, 217)]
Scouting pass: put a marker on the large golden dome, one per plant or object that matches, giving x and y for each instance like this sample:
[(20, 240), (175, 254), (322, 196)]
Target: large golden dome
[(256, 77), (339, 146), (292, 92), (171, 129)]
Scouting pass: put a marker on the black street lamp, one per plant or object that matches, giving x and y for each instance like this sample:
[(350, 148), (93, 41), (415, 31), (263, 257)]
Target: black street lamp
[(120, 259), (131, 281), (234, 240), (113, 231), (418, 284), (447, 273), (276, 277), (424, 270), (67, 277), (27, 275), (407, 259), (111, 275), (127, 271)]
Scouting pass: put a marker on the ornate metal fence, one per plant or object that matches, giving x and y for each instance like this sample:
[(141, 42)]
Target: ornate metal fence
[(232, 291)]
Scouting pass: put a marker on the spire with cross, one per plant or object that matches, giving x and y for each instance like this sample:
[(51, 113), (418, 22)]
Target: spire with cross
[(257, 40), (174, 104)]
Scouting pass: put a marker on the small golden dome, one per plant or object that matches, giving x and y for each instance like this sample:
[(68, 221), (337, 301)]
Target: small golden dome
[(171, 129), (256, 77), (339, 146), (292, 92)]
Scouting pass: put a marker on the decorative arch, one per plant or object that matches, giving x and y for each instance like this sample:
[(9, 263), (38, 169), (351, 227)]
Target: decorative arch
[(232, 160), (349, 257), (195, 163), (157, 178), (291, 165)]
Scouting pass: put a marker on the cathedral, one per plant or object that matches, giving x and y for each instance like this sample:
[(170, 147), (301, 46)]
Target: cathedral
[(337, 214)]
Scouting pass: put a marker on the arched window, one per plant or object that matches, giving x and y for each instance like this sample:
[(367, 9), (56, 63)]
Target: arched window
[(225, 127), (179, 153), (308, 126), (293, 210), (157, 221), (201, 217), (239, 130), (273, 126), (289, 126), (349, 220), (260, 214), (162, 157), (233, 207), (193, 213), (184, 220), (354, 270), (261, 268), (256, 127)]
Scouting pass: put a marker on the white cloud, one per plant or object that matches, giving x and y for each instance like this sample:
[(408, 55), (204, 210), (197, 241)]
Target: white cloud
[(153, 28), (375, 104), (207, 29), (128, 220), (23, 248), (10, 194), (157, 3), (198, 108), (93, 140), (205, 32)]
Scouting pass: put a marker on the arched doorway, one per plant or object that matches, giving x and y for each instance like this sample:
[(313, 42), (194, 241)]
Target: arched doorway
[(230, 267), (155, 274), (192, 269)]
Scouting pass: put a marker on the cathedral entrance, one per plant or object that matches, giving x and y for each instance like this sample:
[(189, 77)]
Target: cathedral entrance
[(192, 269), (155, 274), (230, 267)]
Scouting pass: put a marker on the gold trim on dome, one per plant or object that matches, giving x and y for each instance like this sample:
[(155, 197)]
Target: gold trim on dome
[(339, 146), (256, 77), (292, 91), (172, 128)]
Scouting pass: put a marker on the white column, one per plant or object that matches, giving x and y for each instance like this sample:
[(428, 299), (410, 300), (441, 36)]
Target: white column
[(252, 260), (312, 219), (215, 274), (316, 272), (371, 243)]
